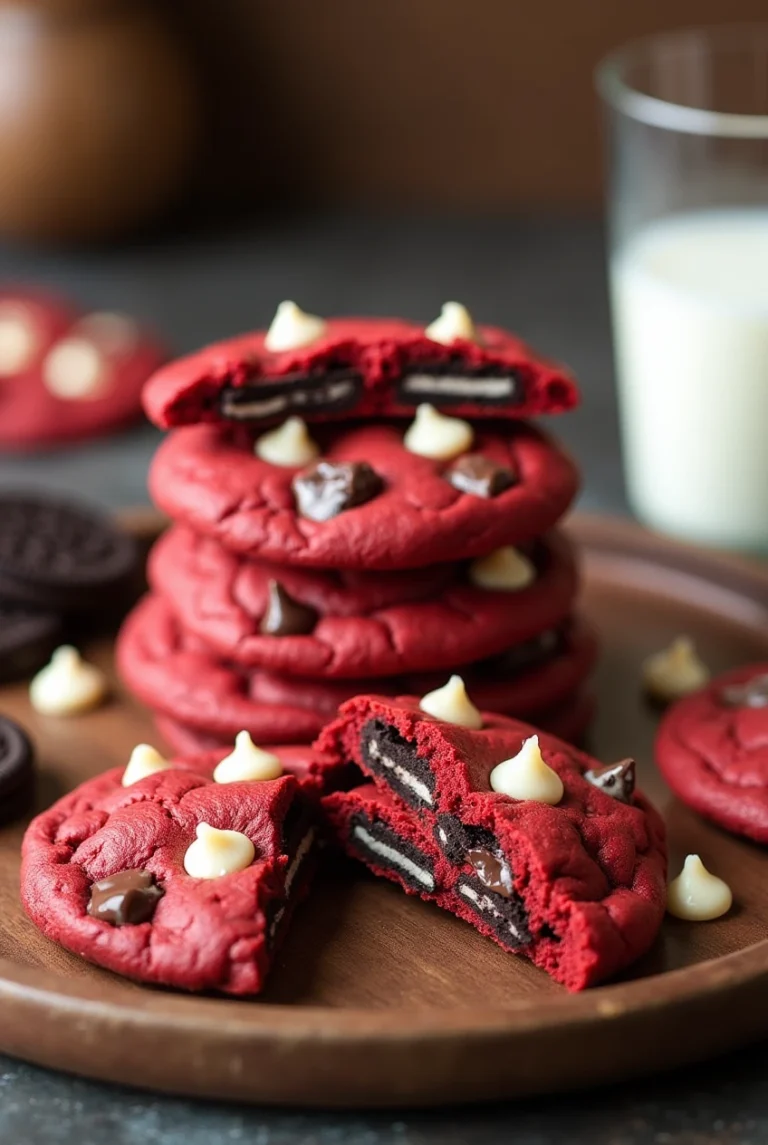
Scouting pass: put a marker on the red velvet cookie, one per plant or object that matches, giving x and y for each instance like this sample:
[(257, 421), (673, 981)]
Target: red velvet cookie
[(358, 367), (712, 748), (103, 874), (579, 887), (175, 674), (66, 375), (351, 625), (208, 477)]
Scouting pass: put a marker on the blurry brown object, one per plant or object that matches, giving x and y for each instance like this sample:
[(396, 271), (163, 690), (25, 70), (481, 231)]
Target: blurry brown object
[(97, 118)]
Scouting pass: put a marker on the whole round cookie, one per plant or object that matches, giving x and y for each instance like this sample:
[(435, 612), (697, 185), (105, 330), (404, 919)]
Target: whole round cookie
[(64, 375), (339, 624), (366, 502), (60, 555), (174, 673), (27, 639), (712, 748), (17, 771)]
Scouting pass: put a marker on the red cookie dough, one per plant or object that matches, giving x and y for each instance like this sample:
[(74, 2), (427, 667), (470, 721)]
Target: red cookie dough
[(204, 934), (209, 478), (103, 360), (712, 749), (374, 625), (175, 674), (358, 367), (580, 888)]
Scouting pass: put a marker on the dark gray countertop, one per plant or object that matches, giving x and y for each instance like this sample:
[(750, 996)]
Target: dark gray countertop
[(545, 279)]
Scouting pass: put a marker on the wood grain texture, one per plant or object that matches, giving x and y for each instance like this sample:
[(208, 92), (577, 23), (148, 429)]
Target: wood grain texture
[(378, 999)]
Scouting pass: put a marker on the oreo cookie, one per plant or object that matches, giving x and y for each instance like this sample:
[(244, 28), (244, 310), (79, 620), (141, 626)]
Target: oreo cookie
[(61, 556), (17, 771), (27, 639)]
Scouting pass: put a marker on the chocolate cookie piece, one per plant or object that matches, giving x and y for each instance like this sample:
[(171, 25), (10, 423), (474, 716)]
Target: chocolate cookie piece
[(579, 887), (17, 771), (361, 368), (60, 555), (27, 639)]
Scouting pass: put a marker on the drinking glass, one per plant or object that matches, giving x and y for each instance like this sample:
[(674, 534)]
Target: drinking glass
[(687, 160)]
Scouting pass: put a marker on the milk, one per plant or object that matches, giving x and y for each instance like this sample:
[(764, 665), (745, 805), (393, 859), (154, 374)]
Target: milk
[(690, 306)]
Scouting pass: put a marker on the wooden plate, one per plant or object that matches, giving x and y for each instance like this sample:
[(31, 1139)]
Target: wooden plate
[(378, 999)]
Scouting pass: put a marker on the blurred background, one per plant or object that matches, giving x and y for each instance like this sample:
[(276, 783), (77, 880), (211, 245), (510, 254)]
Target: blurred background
[(192, 164)]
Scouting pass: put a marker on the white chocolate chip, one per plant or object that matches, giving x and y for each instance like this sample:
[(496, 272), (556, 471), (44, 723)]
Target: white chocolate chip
[(454, 322), (291, 329), (215, 853), (527, 776), (675, 672), (504, 570), (75, 370), (452, 704), (19, 340), (68, 685), (247, 762), (289, 445), (432, 434), (697, 895), (144, 761), (114, 333)]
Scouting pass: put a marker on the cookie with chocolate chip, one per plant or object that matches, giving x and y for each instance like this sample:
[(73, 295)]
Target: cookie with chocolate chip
[(712, 748), (578, 886), (103, 875), (177, 675), (67, 375), (358, 367), (340, 624), (367, 502)]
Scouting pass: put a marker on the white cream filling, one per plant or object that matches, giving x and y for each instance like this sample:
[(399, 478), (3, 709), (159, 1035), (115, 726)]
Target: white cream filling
[(300, 855), (485, 904), (458, 385), (401, 773), (395, 857), (332, 392)]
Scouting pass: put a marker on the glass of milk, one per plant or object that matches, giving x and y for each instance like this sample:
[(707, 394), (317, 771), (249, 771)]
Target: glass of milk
[(687, 139)]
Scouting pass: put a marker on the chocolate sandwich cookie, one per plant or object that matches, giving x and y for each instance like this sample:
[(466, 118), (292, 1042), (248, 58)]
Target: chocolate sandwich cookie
[(357, 367), (712, 749), (210, 478), (178, 676), (175, 880), (62, 556), (17, 771), (518, 835), (352, 625), (67, 375), (27, 639)]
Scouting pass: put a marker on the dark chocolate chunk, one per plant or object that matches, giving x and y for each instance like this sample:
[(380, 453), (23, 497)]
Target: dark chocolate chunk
[(61, 556), (506, 914), (27, 639), (125, 899), (331, 390), (390, 756), (17, 771), (480, 476), (327, 488), (382, 847), (751, 694), (492, 870), (454, 382), (616, 780), (285, 616)]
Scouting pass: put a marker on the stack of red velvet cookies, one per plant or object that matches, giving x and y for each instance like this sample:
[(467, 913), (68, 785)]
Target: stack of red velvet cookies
[(359, 505)]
